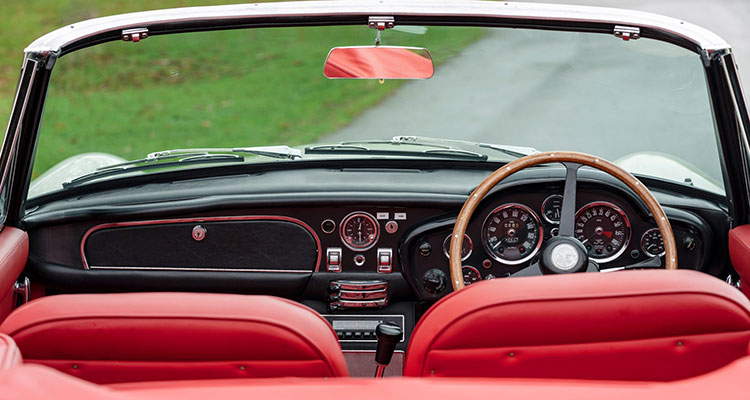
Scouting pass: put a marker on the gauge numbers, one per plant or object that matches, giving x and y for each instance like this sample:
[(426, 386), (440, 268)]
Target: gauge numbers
[(603, 229), (471, 275), (359, 231), (512, 234), (652, 243)]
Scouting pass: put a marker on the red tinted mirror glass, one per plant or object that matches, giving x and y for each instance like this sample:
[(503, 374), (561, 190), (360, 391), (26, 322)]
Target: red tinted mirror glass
[(379, 62)]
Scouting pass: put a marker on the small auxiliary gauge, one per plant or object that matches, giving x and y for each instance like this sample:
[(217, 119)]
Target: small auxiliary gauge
[(552, 209), (652, 243)]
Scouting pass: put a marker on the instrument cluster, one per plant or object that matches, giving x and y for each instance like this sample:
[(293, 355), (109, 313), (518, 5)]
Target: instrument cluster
[(508, 231), (512, 233)]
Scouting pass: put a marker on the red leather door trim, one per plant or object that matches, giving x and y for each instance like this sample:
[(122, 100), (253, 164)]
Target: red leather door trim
[(739, 254), (14, 250)]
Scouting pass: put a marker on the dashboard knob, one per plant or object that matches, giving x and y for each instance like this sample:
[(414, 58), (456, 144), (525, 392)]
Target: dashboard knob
[(425, 249), (434, 281), (689, 243)]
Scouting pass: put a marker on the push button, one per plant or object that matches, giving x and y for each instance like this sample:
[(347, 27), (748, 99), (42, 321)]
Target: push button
[(333, 259)]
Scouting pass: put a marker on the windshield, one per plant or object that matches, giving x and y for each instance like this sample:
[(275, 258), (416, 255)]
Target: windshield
[(642, 104)]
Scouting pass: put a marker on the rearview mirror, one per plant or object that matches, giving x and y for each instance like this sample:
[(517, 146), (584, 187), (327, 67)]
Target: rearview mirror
[(379, 62)]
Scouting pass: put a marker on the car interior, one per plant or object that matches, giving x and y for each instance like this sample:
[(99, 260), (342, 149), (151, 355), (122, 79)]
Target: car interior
[(557, 274)]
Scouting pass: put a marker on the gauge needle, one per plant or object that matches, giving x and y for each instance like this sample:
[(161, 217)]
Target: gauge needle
[(499, 242), (588, 238)]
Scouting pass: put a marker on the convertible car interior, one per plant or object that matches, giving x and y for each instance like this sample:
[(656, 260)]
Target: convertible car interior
[(450, 267)]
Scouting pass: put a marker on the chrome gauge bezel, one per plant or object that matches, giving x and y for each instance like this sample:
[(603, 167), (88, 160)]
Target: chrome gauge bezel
[(473, 269), (364, 214), (446, 244), (531, 254), (625, 218), (646, 252), (544, 206)]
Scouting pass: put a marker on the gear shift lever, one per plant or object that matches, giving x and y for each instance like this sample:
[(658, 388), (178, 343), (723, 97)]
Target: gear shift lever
[(388, 337)]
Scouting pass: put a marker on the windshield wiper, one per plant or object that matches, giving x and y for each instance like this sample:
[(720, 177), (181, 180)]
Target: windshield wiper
[(350, 148), (513, 151), (280, 152), (180, 157)]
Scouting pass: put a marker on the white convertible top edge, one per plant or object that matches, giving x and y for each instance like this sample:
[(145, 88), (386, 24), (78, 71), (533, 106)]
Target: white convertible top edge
[(55, 40)]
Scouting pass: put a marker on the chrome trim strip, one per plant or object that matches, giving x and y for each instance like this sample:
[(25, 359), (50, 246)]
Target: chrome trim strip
[(288, 271), (55, 40), (200, 219)]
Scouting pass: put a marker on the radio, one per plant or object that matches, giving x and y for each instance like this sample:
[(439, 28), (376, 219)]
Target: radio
[(361, 328)]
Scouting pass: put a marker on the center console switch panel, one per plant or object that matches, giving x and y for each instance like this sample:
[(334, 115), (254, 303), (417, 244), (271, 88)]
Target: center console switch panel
[(361, 328)]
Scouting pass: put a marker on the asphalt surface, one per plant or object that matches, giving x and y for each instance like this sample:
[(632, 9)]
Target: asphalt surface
[(529, 88)]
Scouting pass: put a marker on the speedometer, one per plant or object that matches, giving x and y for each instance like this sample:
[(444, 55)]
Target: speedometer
[(512, 234), (604, 230)]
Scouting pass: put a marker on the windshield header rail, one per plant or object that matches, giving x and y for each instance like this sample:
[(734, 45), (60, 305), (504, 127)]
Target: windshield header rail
[(436, 12)]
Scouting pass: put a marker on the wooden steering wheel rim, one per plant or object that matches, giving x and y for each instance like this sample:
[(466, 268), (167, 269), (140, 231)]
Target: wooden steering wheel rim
[(544, 158)]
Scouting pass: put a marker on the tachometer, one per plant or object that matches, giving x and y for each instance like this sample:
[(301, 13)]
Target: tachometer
[(652, 243), (359, 231), (604, 230), (512, 234)]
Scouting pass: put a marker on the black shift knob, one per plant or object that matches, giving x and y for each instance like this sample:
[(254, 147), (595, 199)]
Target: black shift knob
[(388, 337)]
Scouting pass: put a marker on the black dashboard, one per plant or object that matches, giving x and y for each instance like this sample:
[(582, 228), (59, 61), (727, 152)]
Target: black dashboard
[(348, 242)]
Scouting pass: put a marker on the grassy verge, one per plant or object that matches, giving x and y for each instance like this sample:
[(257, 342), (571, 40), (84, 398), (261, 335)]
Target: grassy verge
[(226, 88)]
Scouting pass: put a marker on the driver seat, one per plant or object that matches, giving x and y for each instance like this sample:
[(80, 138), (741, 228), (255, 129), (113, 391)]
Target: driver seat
[(637, 325)]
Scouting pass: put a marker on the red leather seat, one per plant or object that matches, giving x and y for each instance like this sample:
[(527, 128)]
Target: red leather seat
[(634, 325), (110, 338)]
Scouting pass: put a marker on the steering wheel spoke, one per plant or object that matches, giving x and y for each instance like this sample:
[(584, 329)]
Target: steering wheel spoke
[(567, 214)]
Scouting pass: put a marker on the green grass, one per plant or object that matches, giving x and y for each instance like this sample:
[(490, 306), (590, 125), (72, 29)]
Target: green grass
[(226, 88)]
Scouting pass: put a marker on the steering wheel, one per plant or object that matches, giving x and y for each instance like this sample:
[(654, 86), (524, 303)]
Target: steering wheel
[(563, 253)]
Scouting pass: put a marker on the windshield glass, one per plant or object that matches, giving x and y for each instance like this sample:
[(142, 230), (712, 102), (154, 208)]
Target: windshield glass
[(643, 104)]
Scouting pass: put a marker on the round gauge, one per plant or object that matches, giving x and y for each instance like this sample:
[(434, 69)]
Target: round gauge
[(359, 231), (466, 248), (652, 243), (471, 275), (512, 234), (552, 209), (603, 229)]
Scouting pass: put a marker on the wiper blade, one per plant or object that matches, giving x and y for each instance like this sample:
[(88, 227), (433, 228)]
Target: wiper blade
[(179, 157), (513, 151), (348, 148), (133, 166), (280, 152)]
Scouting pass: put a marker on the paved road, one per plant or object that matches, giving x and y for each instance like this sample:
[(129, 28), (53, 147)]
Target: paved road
[(511, 90)]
